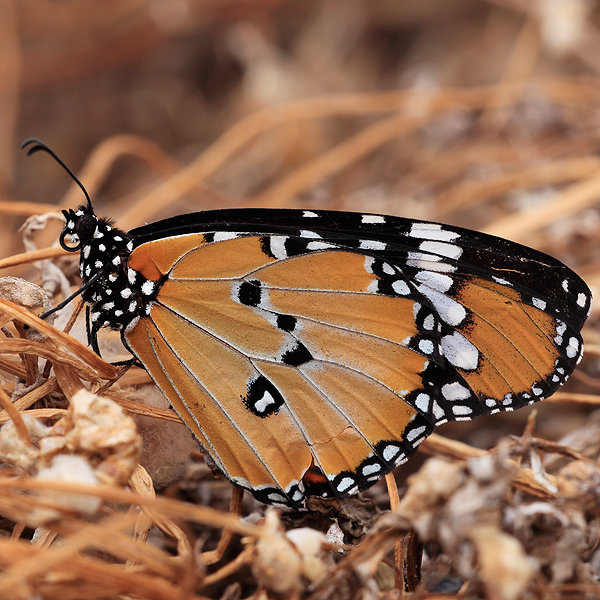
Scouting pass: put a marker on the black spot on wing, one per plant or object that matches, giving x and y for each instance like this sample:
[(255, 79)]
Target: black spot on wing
[(286, 322), (249, 293), (262, 398), (296, 356)]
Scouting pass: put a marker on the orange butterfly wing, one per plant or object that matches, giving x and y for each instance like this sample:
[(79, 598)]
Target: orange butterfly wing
[(332, 361)]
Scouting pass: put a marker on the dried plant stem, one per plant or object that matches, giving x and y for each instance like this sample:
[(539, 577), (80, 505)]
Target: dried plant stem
[(574, 398), (198, 514), (235, 508), (26, 209), (243, 558), (16, 417), (399, 554), (36, 394), (34, 255), (524, 479), (91, 359)]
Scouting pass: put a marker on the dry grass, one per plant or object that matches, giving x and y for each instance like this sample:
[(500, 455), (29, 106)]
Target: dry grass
[(302, 108)]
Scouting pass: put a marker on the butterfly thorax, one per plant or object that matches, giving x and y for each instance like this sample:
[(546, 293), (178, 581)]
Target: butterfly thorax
[(115, 298)]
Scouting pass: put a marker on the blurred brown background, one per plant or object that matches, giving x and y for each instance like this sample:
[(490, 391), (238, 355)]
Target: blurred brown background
[(480, 113), (483, 113), (181, 73)]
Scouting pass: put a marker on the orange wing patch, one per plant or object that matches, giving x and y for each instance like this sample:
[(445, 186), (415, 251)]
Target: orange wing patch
[(192, 257), (369, 406), (154, 259), (337, 445), (336, 270), (364, 313), (514, 340), (206, 385), (395, 366), (209, 305)]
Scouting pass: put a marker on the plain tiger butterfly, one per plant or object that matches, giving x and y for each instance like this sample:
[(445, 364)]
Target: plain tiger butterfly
[(311, 351)]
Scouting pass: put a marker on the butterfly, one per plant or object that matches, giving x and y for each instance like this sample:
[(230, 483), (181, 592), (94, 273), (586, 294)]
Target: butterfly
[(310, 352)]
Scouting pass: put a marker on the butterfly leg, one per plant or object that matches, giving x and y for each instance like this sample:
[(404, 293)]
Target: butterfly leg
[(92, 332)]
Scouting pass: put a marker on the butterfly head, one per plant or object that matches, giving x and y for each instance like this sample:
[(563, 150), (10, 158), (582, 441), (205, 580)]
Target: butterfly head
[(80, 225)]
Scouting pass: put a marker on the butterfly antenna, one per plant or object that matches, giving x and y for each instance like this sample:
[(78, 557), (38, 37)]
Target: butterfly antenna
[(39, 145)]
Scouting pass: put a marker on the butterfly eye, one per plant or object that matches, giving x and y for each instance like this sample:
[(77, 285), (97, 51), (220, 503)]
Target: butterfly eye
[(85, 227)]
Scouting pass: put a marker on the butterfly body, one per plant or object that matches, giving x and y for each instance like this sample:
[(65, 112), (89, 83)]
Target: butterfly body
[(310, 352)]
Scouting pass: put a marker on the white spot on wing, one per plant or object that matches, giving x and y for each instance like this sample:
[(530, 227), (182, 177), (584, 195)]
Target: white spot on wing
[(277, 246), (539, 303), (429, 322), (501, 281), (221, 236), (389, 452), (429, 262), (573, 347), (438, 412), (436, 281), (372, 219), (401, 287), (415, 433), (262, 404), (147, 287), (344, 484), (422, 402), (443, 248), (449, 310), (372, 245), (371, 469), (426, 346), (455, 391), (432, 231), (319, 246), (460, 352)]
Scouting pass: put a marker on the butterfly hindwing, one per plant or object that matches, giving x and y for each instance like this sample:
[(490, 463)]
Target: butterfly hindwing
[(213, 331)]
